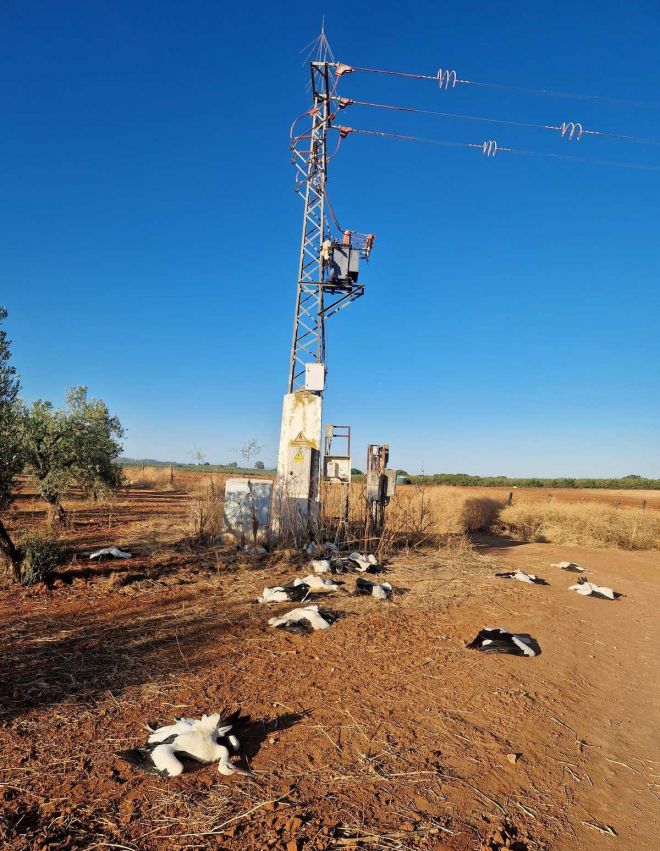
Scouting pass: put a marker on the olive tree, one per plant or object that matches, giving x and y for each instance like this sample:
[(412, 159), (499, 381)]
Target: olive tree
[(74, 447), (11, 456)]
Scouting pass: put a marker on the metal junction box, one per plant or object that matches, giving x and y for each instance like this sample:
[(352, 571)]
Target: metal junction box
[(373, 486), (390, 483), (337, 468), (315, 377)]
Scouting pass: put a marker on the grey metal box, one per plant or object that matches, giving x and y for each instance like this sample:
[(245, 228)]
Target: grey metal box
[(345, 263)]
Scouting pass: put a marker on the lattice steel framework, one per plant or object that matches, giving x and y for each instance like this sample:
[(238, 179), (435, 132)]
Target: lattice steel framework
[(309, 154), (316, 297)]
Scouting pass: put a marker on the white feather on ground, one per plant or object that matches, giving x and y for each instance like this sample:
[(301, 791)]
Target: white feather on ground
[(321, 565), (589, 589), (308, 613), (115, 552)]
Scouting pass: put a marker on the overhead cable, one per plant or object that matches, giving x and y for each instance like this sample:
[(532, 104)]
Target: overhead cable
[(567, 129), (448, 79), (489, 148)]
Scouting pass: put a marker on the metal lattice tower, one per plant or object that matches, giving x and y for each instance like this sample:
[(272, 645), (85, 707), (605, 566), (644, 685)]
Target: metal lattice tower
[(327, 282), (318, 297), (310, 159)]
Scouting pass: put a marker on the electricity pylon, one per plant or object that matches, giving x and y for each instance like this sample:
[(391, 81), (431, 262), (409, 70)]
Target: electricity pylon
[(327, 282)]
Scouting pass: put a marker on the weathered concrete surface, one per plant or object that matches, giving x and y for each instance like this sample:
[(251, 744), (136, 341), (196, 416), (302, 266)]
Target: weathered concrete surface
[(296, 502)]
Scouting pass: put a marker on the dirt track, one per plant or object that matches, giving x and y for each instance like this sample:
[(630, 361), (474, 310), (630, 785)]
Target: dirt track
[(383, 729)]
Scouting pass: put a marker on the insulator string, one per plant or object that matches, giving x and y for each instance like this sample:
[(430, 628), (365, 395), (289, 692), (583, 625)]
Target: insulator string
[(490, 148), (447, 79)]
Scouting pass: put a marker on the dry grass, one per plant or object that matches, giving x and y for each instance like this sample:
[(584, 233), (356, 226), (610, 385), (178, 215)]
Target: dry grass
[(419, 515), (583, 525), (430, 514), (206, 516), (149, 478)]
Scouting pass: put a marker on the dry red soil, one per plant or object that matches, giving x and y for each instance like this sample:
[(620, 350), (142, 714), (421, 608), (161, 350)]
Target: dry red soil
[(383, 732)]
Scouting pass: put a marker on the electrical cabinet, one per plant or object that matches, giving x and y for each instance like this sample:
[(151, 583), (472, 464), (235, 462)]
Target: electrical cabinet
[(247, 505), (299, 471), (315, 377), (337, 468), (390, 483), (373, 486)]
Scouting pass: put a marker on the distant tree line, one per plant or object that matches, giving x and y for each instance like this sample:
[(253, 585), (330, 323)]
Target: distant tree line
[(630, 482)]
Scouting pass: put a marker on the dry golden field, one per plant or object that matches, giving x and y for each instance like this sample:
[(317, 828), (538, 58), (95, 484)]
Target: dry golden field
[(420, 514)]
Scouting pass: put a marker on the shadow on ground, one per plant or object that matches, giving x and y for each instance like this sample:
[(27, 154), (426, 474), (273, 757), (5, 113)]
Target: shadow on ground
[(48, 660)]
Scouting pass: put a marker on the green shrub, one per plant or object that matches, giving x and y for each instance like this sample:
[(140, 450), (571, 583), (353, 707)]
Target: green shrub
[(40, 556)]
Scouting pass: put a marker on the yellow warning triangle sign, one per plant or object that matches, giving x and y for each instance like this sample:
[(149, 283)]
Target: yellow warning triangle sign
[(301, 440)]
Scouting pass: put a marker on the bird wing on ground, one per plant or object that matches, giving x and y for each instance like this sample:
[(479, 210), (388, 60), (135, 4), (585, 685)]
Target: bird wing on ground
[(162, 733)]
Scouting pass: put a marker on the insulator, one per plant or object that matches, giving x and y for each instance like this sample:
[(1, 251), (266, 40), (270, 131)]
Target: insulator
[(571, 130), (446, 78)]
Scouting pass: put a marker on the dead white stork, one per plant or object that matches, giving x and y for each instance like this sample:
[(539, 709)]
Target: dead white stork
[(362, 563), (521, 576), (304, 620), (282, 594), (570, 566), (590, 589), (494, 639), (316, 583), (373, 589), (115, 552), (297, 590), (205, 740)]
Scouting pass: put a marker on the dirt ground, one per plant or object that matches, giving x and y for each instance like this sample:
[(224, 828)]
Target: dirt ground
[(383, 732)]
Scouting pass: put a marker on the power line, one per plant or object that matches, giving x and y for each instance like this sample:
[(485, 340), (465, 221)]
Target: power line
[(567, 129), (490, 148), (447, 79)]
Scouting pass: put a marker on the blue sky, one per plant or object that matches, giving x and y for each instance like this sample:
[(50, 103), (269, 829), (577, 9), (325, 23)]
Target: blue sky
[(150, 232)]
